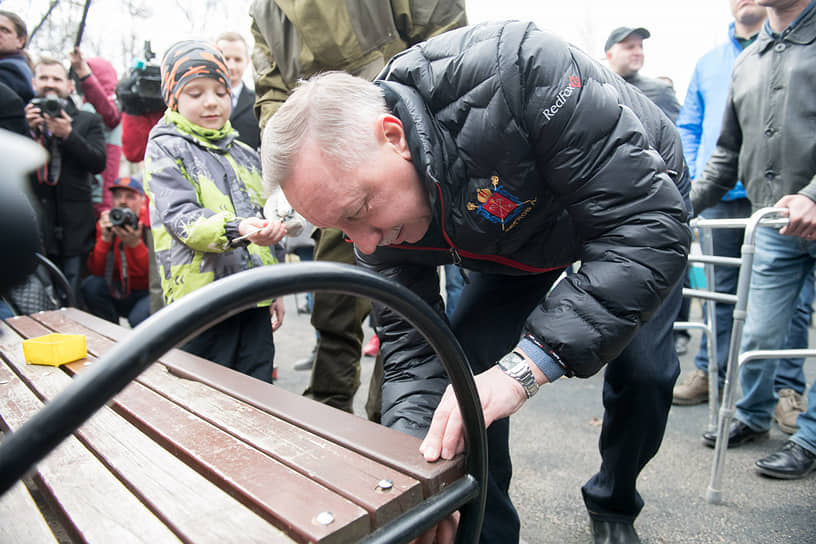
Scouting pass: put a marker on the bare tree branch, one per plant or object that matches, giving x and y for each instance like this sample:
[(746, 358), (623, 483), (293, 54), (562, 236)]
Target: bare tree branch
[(44, 17)]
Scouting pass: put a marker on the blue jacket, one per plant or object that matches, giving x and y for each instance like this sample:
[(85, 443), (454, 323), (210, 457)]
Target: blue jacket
[(700, 119)]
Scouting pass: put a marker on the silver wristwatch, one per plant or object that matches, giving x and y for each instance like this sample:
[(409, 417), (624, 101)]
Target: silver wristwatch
[(515, 366)]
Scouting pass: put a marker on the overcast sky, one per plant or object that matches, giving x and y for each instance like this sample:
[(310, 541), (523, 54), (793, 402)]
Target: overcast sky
[(681, 31)]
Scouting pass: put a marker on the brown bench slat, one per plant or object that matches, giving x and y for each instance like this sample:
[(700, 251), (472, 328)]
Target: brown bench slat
[(177, 493), (387, 446), (92, 503), (281, 495), (20, 518), (346, 472)]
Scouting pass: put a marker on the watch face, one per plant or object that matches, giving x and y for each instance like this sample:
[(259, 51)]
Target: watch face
[(511, 360)]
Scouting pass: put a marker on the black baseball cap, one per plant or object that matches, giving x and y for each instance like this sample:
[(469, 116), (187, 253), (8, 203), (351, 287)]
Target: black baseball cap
[(623, 32)]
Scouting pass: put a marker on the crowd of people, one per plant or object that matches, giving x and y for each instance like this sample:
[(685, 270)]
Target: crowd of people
[(564, 236)]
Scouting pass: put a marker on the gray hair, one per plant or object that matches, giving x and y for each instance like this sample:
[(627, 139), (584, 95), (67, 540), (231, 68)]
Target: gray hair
[(334, 109)]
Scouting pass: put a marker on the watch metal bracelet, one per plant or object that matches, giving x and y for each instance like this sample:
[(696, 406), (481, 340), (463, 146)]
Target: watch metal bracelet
[(515, 366)]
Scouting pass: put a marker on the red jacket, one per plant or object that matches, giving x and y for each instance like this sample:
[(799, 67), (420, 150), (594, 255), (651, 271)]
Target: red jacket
[(137, 261)]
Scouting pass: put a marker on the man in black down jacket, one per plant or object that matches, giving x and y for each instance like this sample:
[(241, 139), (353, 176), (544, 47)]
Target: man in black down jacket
[(75, 142), (506, 151)]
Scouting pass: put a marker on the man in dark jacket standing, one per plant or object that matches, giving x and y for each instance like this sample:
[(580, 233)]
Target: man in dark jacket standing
[(624, 52), (234, 48), (767, 141), (513, 170), (75, 142)]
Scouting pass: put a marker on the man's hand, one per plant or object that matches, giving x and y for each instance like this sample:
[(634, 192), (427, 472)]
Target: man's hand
[(443, 533), (34, 117), (105, 226), (501, 396), (59, 126), (270, 233), (276, 311), (130, 236), (801, 215), (78, 63)]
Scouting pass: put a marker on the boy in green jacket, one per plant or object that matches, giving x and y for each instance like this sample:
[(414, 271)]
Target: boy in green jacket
[(206, 205)]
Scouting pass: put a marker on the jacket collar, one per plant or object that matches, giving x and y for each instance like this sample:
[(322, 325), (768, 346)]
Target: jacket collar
[(424, 141), (214, 140), (801, 32)]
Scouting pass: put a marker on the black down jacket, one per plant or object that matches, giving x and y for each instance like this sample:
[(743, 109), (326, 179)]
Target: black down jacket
[(534, 156)]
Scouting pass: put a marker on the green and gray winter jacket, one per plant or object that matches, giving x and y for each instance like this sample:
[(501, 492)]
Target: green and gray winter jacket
[(201, 184)]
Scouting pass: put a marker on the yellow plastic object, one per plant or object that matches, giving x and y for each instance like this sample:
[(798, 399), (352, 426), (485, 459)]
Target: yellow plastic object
[(54, 349)]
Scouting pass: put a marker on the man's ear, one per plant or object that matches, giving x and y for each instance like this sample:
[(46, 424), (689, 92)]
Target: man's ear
[(391, 131)]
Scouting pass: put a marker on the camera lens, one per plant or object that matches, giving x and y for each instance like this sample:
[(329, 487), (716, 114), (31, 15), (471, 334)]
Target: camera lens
[(120, 217)]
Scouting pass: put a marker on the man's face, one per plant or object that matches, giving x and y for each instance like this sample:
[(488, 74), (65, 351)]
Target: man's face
[(9, 41), (205, 102), (747, 12), (626, 57), (381, 202), (125, 198), (235, 54), (51, 78)]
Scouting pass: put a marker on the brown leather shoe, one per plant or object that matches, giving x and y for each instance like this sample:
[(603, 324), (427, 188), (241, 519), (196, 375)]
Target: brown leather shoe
[(788, 408), (692, 390)]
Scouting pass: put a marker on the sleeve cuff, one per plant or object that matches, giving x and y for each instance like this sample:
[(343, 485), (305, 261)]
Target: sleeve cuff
[(231, 231), (542, 359)]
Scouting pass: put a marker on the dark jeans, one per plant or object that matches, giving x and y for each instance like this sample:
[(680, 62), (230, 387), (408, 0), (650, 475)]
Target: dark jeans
[(100, 302), (72, 268), (242, 342), (637, 395)]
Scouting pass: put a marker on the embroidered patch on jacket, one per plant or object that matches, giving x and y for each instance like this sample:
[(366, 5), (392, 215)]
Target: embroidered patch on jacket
[(498, 205)]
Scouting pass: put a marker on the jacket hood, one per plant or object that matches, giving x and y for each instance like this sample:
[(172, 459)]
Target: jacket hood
[(105, 73)]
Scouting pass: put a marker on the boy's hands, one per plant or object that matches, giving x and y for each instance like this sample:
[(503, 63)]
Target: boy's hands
[(261, 231)]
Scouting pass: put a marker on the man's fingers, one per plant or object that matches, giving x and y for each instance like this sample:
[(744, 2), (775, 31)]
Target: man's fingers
[(431, 447), (453, 434)]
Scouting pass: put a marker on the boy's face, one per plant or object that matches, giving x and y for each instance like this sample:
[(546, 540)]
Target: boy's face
[(205, 102)]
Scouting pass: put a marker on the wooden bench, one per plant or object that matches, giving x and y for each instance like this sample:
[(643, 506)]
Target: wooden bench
[(192, 451)]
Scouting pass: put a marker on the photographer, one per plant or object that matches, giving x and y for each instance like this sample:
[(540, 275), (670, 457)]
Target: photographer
[(75, 143), (119, 260)]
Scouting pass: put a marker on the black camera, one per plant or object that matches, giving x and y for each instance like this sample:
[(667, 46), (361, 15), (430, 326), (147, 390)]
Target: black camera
[(140, 91), (123, 217), (50, 104)]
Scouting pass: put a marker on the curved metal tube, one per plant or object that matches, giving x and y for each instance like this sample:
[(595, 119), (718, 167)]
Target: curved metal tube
[(70, 298), (194, 313)]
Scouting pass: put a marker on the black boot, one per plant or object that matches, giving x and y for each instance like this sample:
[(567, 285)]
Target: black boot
[(613, 532)]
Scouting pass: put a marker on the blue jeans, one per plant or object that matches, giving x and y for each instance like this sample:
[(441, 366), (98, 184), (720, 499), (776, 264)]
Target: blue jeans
[(454, 282), (781, 266), (100, 302), (728, 243)]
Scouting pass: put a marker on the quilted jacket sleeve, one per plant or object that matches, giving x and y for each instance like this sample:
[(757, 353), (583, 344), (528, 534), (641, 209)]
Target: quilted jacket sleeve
[(594, 155)]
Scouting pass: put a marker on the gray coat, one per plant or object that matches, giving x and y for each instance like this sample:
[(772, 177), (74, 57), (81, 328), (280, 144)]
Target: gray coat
[(768, 137)]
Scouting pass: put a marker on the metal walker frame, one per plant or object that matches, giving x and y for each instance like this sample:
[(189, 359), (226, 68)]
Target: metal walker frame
[(760, 218)]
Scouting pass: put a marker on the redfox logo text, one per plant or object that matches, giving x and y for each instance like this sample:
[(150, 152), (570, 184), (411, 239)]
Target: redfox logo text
[(565, 93)]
